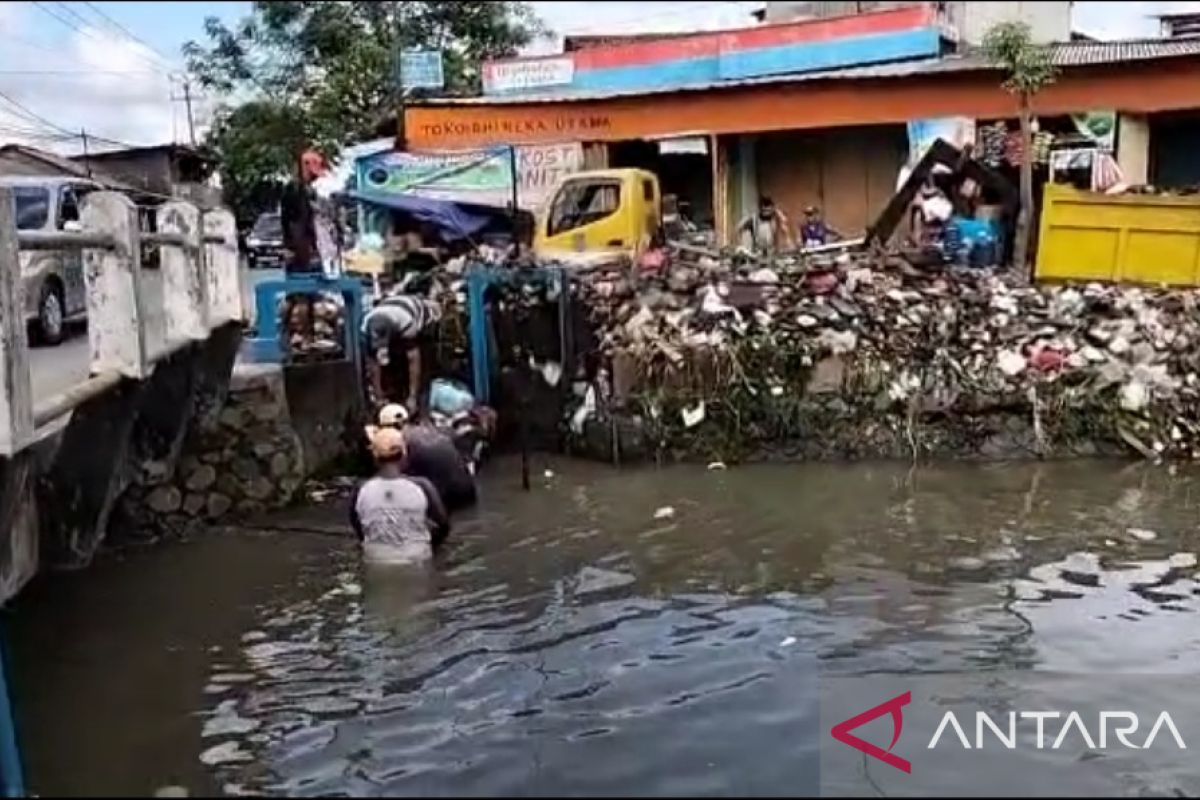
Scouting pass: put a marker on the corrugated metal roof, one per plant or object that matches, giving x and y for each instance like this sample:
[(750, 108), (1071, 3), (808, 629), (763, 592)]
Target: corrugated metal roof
[(1079, 54), (1064, 54)]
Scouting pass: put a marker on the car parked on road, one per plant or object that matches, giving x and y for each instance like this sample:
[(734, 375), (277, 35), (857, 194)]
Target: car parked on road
[(264, 244), (52, 280)]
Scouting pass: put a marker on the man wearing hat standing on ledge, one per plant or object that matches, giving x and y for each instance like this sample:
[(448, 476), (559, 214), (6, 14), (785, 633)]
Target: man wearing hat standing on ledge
[(298, 215)]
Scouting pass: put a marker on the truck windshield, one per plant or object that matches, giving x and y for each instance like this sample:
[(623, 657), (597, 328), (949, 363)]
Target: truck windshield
[(33, 207), (581, 203)]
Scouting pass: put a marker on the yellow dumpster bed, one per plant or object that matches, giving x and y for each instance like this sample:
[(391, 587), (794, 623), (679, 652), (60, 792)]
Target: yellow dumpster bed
[(1135, 238)]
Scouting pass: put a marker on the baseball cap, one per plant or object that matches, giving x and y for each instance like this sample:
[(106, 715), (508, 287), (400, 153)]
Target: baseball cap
[(393, 415)]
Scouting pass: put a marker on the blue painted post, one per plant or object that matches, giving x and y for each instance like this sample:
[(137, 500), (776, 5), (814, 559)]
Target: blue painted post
[(12, 776), (265, 345), (477, 283)]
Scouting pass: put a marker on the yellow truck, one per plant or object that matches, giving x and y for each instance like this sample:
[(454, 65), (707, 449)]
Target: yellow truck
[(599, 214), (1088, 236)]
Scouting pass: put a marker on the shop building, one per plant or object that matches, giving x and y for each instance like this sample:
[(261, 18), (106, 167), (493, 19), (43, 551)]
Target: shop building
[(815, 112)]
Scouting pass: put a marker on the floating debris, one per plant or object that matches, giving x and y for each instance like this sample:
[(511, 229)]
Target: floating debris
[(1182, 560), (666, 512), (1142, 534), (225, 753)]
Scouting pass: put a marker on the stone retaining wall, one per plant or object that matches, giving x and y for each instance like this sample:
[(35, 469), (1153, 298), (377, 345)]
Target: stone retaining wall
[(243, 460)]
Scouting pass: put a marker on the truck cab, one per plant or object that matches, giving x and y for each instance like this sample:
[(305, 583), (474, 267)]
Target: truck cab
[(601, 212)]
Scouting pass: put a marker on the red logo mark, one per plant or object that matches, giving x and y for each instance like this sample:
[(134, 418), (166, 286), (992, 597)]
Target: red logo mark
[(841, 731)]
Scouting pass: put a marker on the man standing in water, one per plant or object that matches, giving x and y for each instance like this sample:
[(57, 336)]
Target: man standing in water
[(434, 456), (398, 518)]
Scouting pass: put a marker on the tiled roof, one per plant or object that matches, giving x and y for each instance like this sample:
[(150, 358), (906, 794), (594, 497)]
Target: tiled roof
[(1064, 54)]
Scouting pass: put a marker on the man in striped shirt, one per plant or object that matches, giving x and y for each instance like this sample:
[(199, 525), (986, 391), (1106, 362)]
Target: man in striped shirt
[(396, 330)]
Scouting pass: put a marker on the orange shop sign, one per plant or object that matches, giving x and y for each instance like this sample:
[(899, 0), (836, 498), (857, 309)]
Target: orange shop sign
[(431, 129)]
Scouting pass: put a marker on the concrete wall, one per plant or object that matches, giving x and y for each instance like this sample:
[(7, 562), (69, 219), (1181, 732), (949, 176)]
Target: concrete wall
[(969, 20), (1048, 21)]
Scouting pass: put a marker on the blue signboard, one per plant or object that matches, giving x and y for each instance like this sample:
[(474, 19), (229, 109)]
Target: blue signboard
[(421, 69)]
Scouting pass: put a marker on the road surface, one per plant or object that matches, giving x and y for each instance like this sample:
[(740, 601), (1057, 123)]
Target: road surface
[(56, 369)]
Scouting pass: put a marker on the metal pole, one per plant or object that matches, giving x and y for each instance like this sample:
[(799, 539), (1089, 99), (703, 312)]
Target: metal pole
[(401, 132), (187, 102), (87, 162), (524, 403), (11, 773), (516, 214)]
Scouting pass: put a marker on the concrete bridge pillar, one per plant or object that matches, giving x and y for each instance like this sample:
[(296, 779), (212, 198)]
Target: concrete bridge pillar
[(18, 516), (115, 298), (16, 395)]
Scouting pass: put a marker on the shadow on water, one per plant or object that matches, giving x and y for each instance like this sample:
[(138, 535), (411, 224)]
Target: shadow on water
[(570, 635)]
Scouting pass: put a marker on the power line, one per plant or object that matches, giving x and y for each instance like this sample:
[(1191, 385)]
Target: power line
[(57, 52), (33, 115), (129, 34), (85, 32), (30, 43)]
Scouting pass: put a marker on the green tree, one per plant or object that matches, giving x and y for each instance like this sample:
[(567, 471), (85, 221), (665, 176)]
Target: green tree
[(1029, 69), (300, 71)]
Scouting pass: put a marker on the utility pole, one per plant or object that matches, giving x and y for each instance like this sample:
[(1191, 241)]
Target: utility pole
[(187, 101), (87, 162), (398, 21)]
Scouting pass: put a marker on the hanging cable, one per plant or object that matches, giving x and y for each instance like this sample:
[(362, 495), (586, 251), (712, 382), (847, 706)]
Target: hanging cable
[(89, 33), (130, 34)]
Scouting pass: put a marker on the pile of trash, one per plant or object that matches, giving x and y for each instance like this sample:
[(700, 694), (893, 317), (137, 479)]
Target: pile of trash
[(313, 326), (861, 354)]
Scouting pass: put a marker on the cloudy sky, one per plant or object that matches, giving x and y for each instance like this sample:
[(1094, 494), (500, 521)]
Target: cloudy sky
[(112, 68)]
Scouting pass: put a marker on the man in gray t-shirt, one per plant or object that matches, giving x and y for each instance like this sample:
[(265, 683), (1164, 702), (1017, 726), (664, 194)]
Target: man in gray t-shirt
[(398, 518)]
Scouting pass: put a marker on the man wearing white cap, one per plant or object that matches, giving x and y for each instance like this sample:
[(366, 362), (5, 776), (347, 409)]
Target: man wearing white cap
[(434, 456)]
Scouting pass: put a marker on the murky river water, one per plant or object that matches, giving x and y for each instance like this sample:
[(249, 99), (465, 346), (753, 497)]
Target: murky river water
[(580, 639)]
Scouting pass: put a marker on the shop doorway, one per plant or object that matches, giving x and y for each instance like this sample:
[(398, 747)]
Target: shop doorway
[(683, 167)]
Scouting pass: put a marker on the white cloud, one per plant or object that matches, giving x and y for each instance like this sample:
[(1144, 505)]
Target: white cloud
[(1125, 20), (103, 82)]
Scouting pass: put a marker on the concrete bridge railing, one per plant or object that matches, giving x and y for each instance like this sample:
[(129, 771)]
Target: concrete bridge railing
[(161, 342), (136, 316)]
